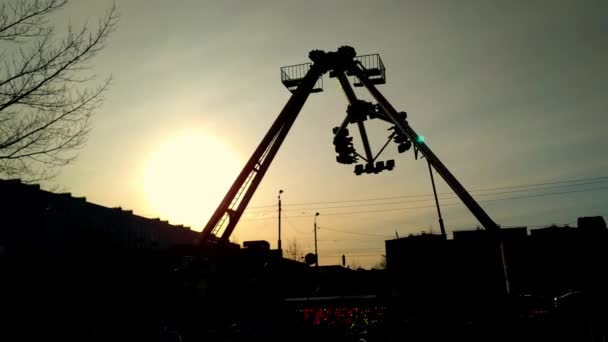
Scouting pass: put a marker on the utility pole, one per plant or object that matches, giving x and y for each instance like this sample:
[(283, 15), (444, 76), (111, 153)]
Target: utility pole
[(316, 253), (437, 202), (280, 250)]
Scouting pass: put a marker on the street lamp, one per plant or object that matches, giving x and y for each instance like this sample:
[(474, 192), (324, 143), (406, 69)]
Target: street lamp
[(316, 253), (280, 250)]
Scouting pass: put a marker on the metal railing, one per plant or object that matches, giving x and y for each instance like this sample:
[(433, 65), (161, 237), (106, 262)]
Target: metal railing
[(372, 64), (292, 75)]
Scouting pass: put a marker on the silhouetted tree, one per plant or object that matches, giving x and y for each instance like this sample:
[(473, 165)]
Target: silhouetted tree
[(354, 264), (46, 100), (381, 264), (294, 251)]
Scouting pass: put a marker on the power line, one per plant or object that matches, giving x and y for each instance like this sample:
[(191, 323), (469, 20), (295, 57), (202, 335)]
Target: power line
[(546, 183), (289, 224), (342, 250), (344, 240), (390, 236), (422, 207), (542, 195), (355, 253), (356, 233), (458, 203), (448, 204), (443, 198), (605, 179)]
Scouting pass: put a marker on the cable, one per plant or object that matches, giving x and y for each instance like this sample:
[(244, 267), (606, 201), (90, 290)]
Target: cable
[(352, 250), (297, 231), (542, 195), (420, 207), (355, 253), (356, 233), (605, 178), (443, 198), (344, 240), (449, 204)]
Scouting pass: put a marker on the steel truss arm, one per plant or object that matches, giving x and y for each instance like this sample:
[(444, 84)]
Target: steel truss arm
[(352, 99), (230, 210), (441, 169)]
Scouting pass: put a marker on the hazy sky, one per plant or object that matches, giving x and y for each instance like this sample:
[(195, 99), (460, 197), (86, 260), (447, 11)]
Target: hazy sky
[(506, 93)]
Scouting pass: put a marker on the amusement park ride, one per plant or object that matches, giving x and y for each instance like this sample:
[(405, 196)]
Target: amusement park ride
[(304, 79)]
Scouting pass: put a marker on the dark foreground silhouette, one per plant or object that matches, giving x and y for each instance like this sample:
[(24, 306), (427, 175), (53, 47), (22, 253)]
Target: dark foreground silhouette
[(74, 271)]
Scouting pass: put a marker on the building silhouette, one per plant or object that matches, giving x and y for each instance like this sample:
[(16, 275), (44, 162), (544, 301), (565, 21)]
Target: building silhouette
[(556, 275), (71, 267), (32, 219), (74, 270)]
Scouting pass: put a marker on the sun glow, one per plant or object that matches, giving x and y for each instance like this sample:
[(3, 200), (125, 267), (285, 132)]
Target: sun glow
[(187, 176)]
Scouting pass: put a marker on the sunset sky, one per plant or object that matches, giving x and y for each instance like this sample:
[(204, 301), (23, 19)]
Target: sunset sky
[(507, 94)]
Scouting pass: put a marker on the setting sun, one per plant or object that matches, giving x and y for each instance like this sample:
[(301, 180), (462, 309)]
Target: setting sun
[(185, 178)]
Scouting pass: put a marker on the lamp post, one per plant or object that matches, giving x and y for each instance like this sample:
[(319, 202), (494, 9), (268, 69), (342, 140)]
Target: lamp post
[(316, 253), (280, 250)]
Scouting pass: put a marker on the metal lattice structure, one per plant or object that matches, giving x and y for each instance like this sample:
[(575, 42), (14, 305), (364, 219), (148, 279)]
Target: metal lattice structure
[(374, 68), (304, 79), (292, 75)]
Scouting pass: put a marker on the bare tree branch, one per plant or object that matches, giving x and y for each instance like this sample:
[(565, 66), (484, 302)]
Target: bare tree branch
[(294, 251), (23, 19), (45, 100)]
